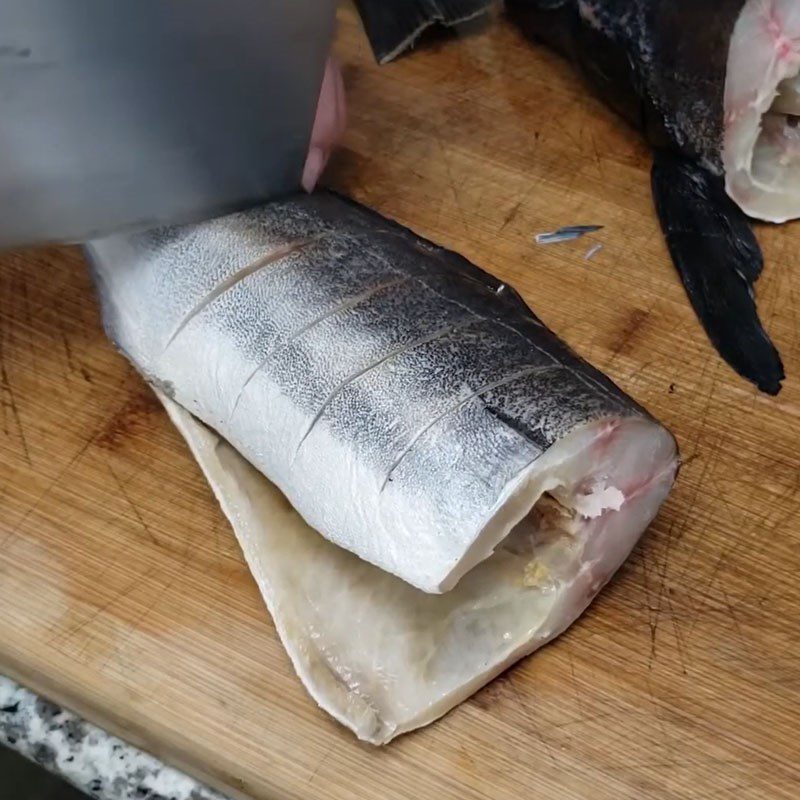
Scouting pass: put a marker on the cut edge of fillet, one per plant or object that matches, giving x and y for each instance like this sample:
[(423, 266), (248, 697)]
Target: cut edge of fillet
[(761, 147), (594, 472)]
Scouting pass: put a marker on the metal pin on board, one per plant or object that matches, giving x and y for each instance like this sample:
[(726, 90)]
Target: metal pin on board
[(566, 234)]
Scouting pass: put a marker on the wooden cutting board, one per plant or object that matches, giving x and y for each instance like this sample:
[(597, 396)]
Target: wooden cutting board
[(124, 595)]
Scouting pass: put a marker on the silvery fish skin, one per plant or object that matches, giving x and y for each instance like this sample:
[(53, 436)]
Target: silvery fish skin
[(410, 407)]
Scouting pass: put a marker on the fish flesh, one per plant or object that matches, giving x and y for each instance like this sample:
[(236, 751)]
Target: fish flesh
[(713, 85), (462, 484)]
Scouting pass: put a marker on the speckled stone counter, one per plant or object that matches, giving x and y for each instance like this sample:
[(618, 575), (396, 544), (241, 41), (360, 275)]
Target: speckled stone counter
[(97, 763)]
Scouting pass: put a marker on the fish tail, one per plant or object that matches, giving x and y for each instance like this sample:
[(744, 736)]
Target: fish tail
[(393, 26), (719, 260)]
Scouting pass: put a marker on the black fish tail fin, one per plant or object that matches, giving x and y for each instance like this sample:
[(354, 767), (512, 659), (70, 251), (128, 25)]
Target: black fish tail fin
[(392, 26), (719, 260)]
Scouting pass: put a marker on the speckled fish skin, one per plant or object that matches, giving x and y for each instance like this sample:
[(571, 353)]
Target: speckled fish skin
[(393, 391)]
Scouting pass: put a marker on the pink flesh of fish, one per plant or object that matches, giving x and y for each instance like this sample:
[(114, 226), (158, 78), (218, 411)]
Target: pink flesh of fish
[(761, 151)]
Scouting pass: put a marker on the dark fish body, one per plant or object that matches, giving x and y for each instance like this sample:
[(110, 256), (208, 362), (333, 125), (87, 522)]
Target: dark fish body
[(678, 71), (661, 64), (410, 406), (394, 26)]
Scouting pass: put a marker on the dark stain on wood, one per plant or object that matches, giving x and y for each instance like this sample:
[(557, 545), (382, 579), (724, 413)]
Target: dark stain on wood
[(623, 339), (133, 419)]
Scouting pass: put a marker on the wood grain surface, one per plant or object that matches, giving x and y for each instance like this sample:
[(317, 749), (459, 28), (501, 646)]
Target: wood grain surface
[(124, 595)]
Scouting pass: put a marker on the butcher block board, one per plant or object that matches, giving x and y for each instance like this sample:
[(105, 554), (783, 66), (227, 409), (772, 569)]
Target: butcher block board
[(124, 595)]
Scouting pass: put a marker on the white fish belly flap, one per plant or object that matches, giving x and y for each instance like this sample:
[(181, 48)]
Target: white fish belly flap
[(411, 408), (381, 656)]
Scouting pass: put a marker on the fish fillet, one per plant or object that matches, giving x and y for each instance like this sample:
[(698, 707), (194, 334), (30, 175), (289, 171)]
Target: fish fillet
[(474, 482)]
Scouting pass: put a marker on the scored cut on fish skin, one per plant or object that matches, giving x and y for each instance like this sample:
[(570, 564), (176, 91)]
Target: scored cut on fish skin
[(409, 406), (761, 150), (384, 658)]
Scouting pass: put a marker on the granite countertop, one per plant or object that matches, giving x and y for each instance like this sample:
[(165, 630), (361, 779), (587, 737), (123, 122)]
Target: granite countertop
[(97, 763)]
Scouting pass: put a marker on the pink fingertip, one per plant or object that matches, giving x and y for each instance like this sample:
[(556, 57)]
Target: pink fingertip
[(315, 163)]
